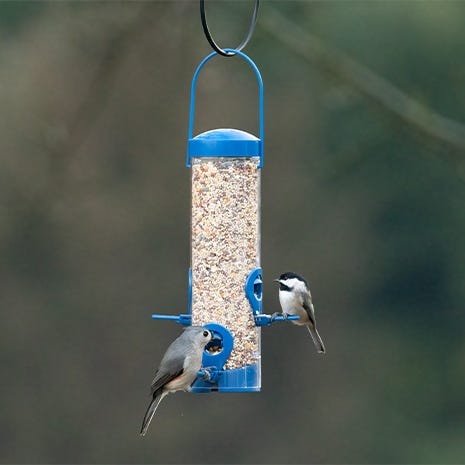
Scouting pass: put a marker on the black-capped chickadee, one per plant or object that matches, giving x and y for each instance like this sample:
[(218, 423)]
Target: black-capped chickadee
[(178, 368), (295, 299)]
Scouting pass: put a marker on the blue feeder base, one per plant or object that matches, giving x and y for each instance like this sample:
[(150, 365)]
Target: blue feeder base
[(245, 379)]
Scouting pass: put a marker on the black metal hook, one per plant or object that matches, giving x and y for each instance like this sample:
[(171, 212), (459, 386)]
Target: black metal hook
[(210, 38)]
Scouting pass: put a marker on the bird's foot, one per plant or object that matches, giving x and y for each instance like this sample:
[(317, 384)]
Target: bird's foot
[(209, 374), (275, 316)]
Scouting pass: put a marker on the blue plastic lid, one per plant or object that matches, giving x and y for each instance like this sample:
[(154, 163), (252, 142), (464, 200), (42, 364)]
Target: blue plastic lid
[(224, 143)]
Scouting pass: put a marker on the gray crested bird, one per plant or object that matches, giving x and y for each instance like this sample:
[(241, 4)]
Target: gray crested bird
[(178, 368), (295, 299)]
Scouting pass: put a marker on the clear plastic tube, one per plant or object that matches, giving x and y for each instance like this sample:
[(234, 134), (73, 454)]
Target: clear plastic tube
[(225, 241)]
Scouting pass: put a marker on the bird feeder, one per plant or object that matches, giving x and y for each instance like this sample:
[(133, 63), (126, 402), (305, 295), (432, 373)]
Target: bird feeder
[(225, 240), (225, 278)]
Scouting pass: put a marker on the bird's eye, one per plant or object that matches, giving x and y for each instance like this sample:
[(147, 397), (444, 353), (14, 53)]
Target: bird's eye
[(205, 334)]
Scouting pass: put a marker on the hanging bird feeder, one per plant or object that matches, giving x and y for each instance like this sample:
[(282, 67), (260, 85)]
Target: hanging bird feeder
[(225, 278)]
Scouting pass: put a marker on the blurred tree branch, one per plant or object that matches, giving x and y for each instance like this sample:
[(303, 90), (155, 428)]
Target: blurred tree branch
[(445, 131)]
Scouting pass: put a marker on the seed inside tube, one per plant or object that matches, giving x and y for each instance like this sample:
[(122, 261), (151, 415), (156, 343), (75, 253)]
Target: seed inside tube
[(225, 239)]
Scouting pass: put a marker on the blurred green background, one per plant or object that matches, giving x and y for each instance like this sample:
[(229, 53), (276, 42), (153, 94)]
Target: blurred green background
[(362, 200)]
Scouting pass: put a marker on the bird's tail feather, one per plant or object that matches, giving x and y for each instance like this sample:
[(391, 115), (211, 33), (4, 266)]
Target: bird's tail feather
[(150, 413), (320, 347)]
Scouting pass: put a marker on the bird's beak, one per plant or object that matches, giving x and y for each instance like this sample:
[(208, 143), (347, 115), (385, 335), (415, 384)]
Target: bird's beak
[(276, 280)]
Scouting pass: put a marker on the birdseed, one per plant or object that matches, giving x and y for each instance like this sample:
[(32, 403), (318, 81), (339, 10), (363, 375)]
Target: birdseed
[(225, 237)]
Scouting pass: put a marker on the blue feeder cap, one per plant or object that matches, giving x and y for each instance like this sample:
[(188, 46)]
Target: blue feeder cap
[(224, 143)]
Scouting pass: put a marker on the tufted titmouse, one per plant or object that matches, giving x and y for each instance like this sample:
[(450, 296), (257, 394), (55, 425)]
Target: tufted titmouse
[(295, 299), (178, 368)]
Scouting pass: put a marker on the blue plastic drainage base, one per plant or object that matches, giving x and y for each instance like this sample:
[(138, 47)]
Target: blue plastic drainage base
[(245, 379)]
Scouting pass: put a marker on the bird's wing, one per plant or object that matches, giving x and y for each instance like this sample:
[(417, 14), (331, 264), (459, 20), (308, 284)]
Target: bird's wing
[(308, 306), (172, 363), (162, 378), (170, 367)]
